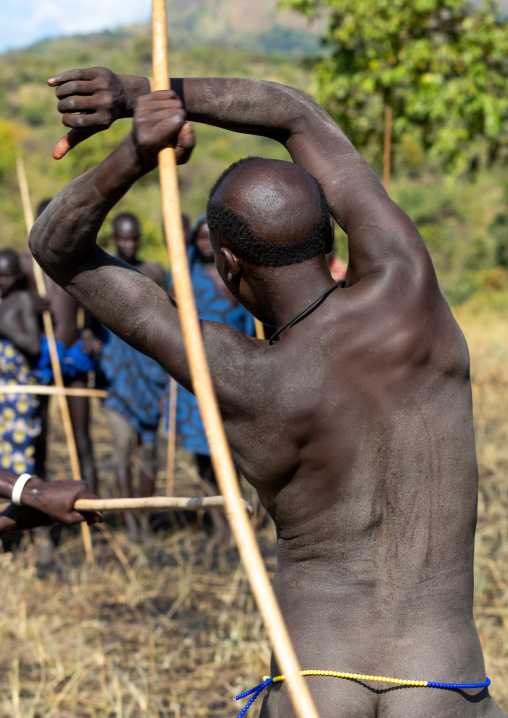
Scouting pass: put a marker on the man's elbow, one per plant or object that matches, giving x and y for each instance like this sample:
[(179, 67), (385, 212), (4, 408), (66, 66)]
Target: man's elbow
[(39, 243), (36, 242)]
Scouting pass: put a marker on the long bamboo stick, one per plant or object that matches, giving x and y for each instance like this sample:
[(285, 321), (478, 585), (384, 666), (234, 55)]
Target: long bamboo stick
[(387, 159), (42, 389), (157, 502), (170, 463), (212, 420), (260, 330), (153, 502), (53, 351)]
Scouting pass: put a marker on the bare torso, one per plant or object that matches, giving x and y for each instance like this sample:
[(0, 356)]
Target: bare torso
[(376, 511)]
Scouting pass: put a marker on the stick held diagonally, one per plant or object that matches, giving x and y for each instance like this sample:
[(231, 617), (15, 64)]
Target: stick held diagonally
[(53, 352), (203, 388)]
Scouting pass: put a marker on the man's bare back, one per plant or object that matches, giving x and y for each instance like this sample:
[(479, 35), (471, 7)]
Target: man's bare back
[(355, 427)]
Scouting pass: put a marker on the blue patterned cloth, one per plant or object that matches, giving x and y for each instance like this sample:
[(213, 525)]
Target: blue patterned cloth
[(19, 421), (135, 384), (211, 304), (74, 361)]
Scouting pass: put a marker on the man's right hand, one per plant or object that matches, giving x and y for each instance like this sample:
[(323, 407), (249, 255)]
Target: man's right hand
[(99, 96), (56, 499), (159, 122)]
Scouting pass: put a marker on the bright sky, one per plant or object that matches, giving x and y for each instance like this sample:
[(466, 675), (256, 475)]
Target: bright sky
[(23, 22)]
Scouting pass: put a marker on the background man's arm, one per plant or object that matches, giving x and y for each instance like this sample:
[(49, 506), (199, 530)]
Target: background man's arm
[(43, 503)]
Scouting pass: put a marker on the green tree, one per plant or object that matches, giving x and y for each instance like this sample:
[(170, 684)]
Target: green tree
[(440, 64)]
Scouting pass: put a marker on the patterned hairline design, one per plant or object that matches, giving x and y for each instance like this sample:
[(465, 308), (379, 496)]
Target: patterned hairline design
[(251, 246)]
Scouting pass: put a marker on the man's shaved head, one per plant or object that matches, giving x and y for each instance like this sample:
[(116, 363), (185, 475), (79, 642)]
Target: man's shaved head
[(125, 222), (273, 213), (10, 271), (9, 261)]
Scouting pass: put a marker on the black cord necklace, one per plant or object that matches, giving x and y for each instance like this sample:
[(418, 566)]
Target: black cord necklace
[(305, 312)]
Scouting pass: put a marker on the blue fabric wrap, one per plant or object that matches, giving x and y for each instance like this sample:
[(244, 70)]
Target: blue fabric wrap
[(211, 304), (135, 384), (74, 361)]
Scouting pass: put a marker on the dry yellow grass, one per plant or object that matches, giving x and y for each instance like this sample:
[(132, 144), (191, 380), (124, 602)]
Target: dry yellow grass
[(487, 335), (169, 630)]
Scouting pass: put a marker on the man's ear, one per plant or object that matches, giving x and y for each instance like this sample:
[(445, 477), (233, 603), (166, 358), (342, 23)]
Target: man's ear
[(232, 265)]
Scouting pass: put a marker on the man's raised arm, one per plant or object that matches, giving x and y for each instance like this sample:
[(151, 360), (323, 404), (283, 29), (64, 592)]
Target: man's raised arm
[(379, 231), (63, 240)]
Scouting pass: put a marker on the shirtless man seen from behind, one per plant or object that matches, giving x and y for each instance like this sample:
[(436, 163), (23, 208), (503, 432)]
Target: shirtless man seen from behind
[(355, 426)]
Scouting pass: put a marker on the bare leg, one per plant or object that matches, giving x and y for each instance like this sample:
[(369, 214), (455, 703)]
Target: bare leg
[(45, 546), (123, 446), (147, 477), (79, 407), (41, 441)]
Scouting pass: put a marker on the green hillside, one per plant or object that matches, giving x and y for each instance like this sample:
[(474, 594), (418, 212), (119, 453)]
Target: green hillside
[(464, 223), (29, 120)]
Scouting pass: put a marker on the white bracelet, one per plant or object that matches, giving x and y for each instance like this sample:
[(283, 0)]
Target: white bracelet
[(18, 487)]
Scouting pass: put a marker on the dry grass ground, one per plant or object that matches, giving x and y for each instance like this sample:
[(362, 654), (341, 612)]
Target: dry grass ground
[(169, 630)]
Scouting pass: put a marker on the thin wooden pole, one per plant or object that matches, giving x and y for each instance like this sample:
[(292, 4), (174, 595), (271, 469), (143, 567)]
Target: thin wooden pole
[(203, 388), (157, 502), (260, 330), (387, 161), (170, 464), (53, 352), (42, 389)]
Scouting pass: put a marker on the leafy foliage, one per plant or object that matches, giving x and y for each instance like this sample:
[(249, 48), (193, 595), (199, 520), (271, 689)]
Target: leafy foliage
[(464, 225), (440, 64)]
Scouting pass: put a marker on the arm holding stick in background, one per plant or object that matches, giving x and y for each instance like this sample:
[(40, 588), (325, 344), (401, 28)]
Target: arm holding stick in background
[(43, 504)]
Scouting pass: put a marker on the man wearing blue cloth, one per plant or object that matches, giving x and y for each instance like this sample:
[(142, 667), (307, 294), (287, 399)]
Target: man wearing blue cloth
[(135, 384)]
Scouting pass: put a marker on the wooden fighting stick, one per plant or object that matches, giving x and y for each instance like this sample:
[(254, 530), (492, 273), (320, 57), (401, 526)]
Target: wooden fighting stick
[(41, 389), (260, 330), (158, 502), (203, 388), (154, 502), (53, 352), (170, 464), (387, 159)]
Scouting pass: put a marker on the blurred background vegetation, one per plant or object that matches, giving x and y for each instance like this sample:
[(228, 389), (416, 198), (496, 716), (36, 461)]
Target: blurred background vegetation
[(441, 66)]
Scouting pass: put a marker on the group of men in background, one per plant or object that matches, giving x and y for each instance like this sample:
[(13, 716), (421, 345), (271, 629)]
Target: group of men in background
[(138, 388)]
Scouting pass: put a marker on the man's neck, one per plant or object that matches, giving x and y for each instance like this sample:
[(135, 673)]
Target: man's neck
[(294, 287)]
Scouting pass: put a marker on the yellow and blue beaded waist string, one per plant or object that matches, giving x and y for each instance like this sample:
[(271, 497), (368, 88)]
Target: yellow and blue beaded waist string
[(254, 692)]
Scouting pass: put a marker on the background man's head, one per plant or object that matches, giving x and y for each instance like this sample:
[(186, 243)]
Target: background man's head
[(42, 206), (200, 238), (269, 212), (10, 271), (186, 227), (126, 236)]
